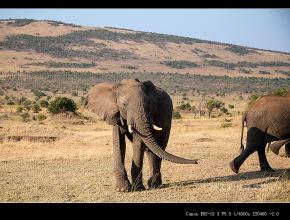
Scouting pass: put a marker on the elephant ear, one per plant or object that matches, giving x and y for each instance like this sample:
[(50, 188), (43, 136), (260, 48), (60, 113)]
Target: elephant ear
[(150, 87), (101, 100)]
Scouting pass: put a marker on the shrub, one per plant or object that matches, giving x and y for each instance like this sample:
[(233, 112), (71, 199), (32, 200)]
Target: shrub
[(38, 93), (224, 110), (131, 67), (253, 98), (43, 103), (36, 108), (25, 117), (226, 124), (19, 109), (185, 107), (22, 100), (74, 93), (280, 92), (27, 104), (62, 104), (10, 102), (239, 50), (179, 64), (82, 100), (176, 114), (264, 72), (1, 93), (41, 117), (231, 106)]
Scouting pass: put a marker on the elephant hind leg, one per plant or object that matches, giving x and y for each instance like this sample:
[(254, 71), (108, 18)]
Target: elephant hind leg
[(263, 160), (239, 160), (255, 141)]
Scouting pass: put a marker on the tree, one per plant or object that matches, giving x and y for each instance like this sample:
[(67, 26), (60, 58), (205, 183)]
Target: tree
[(62, 104), (213, 104)]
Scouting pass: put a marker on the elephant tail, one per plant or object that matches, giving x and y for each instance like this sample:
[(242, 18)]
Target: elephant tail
[(242, 133)]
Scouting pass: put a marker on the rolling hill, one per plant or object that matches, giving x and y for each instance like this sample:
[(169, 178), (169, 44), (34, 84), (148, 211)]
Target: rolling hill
[(51, 55), (32, 45)]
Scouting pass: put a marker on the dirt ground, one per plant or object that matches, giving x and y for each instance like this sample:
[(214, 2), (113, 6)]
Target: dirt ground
[(77, 166)]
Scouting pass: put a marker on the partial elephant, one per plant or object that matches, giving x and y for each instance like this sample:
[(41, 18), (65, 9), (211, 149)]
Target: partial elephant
[(267, 120), (142, 112), (276, 145)]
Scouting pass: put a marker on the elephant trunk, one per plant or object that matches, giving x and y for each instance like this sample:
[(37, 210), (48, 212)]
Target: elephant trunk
[(150, 141)]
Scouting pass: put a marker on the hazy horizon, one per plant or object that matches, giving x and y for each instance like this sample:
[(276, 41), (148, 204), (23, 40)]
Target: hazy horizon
[(259, 28)]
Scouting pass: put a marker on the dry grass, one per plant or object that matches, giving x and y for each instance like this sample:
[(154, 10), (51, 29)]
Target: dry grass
[(78, 167)]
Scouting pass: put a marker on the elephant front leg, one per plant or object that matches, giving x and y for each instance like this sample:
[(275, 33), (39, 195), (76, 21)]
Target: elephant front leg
[(155, 181), (137, 164), (287, 149), (119, 149)]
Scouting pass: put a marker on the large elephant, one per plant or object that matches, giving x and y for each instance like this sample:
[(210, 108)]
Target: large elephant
[(267, 120), (143, 113)]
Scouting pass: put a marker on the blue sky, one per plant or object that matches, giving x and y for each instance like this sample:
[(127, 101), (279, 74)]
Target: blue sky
[(260, 28)]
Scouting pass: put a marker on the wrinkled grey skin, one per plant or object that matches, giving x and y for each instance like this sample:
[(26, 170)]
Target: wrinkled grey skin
[(139, 104), (268, 121)]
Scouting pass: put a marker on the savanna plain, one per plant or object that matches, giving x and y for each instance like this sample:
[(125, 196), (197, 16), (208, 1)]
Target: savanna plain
[(70, 160), (67, 157)]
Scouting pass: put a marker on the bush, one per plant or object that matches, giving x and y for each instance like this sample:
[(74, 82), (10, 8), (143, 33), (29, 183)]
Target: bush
[(226, 124), (253, 98), (25, 117), (74, 93), (131, 67), (184, 107), (43, 103), (36, 108), (38, 93), (264, 72), (41, 117), (179, 64), (22, 100), (62, 104), (231, 106), (27, 104), (240, 50), (176, 115), (1, 93), (19, 109), (10, 102), (224, 110), (280, 92)]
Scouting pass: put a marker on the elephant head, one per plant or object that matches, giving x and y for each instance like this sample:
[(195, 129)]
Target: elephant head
[(133, 104)]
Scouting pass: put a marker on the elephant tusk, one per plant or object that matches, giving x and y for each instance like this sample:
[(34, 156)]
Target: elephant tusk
[(157, 128), (130, 129)]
